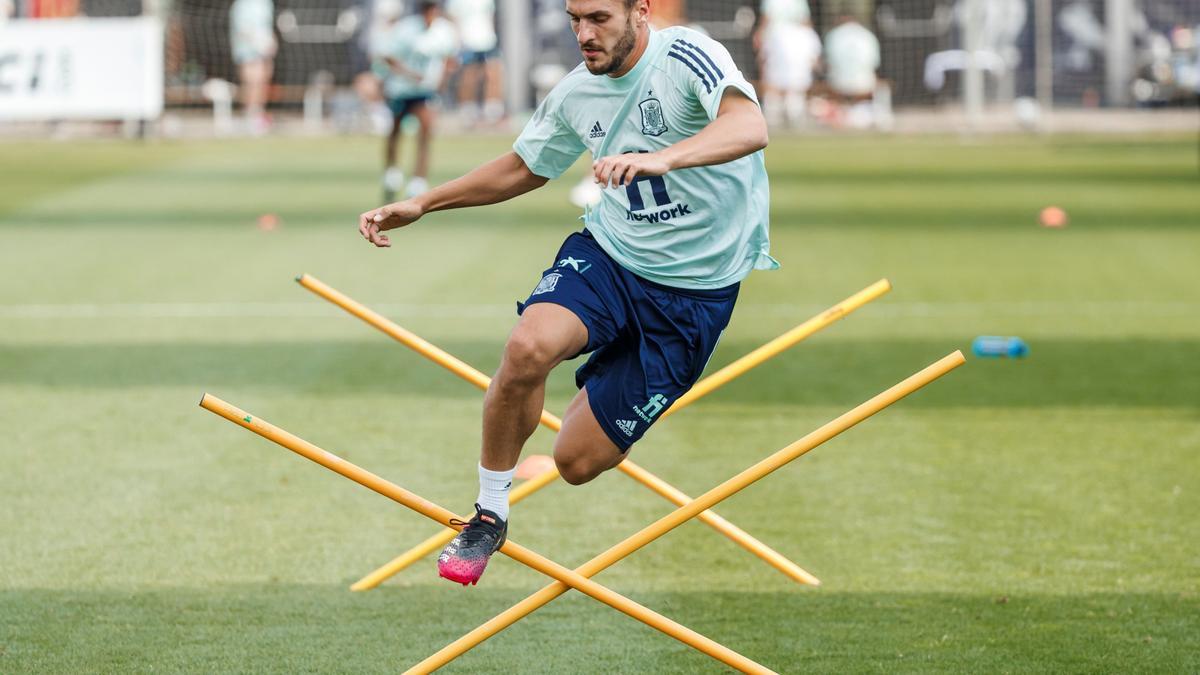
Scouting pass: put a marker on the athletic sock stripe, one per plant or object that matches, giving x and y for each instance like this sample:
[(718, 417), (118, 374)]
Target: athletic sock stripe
[(686, 62), (696, 59), (700, 51)]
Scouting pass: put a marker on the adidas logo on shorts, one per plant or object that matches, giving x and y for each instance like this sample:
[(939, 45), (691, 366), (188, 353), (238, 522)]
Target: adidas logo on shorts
[(597, 131), (627, 426)]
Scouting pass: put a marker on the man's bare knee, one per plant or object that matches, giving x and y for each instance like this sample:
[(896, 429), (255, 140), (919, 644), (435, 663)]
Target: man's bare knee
[(576, 471), (578, 466), (526, 359)]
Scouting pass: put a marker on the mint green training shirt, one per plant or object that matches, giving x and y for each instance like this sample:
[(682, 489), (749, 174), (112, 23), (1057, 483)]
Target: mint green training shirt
[(703, 227), (423, 49)]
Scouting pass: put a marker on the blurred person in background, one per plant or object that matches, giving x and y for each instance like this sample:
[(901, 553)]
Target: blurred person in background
[(788, 51), (415, 58), (382, 18), (851, 59), (252, 36), (480, 59)]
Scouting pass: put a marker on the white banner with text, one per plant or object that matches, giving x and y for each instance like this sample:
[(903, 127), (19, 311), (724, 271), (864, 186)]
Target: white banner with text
[(53, 69)]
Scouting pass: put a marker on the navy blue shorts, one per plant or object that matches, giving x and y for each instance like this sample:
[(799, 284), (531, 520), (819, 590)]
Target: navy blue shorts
[(649, 342), (402, 106)]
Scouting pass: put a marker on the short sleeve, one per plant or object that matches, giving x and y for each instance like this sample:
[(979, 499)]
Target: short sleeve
[(708, 70), (547, 145)]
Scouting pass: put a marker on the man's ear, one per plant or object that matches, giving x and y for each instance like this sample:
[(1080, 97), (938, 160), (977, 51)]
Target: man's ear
[(643, 10)]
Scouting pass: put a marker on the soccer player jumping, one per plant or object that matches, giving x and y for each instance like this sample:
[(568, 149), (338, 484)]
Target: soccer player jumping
[(647, 286)]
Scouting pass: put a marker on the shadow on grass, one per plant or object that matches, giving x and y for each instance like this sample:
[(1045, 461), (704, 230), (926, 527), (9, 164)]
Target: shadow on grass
[(1143, 373), (291, 628)]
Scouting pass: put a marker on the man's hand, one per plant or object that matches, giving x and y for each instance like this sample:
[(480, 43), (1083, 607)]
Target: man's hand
[(618, 170), (373, 223)]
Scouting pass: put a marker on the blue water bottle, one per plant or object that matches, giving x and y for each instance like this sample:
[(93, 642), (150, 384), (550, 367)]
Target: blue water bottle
[(999, 346)]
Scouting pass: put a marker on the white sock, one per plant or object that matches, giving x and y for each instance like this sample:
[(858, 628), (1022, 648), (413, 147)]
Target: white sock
[(393, 178), (417, 186), (493, 110), (493, 490)]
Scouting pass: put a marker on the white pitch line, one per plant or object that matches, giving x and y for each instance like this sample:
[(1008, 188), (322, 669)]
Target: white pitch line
[(884, 310)]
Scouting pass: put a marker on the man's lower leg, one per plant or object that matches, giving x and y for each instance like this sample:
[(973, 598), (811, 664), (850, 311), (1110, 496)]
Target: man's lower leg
[(512, 408)]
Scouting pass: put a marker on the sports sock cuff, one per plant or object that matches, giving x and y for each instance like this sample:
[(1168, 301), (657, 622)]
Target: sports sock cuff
[(493, 490)]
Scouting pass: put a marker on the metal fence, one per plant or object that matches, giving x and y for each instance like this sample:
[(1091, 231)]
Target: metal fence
[(935, 53)]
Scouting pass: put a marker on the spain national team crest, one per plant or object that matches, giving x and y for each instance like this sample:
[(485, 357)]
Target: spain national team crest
[(653, 123)]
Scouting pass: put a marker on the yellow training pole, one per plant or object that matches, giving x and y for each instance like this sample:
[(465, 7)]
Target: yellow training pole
[(780, 344), (661, 487), (705, 501), (511, 549)]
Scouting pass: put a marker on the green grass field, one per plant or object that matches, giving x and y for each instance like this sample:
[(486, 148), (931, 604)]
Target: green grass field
[(1040, 515)]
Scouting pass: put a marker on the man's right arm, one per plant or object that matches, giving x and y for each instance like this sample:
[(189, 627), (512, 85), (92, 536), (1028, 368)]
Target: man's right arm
[(499, 180)]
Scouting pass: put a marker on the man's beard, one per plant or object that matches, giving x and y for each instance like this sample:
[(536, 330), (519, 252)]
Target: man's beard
[(620, 52)]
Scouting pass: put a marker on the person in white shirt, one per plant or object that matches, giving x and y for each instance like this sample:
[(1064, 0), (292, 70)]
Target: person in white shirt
[(252, 38), (480, 59), (788, 51), (851, 59)]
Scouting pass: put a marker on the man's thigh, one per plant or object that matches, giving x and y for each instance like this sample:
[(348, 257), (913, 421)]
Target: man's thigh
[(582, 443), (585, 282), (632, 381), (552, 331)]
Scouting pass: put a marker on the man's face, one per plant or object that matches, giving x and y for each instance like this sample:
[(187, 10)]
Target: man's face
[(606, 32)]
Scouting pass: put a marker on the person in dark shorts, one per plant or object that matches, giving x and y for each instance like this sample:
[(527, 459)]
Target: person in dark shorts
[(416, 57), (676, 135)]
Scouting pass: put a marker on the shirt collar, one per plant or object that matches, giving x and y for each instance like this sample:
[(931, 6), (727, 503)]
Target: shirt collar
[(643, 62)]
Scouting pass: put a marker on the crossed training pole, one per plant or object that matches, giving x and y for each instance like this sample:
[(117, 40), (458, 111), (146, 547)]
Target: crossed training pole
[(510, 548), (579, 578), (664, 489)]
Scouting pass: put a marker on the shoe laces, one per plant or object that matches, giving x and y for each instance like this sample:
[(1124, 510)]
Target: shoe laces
[(475, 530)]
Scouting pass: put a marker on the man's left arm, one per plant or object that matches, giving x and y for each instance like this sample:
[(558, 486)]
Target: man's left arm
[(738, 130)]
